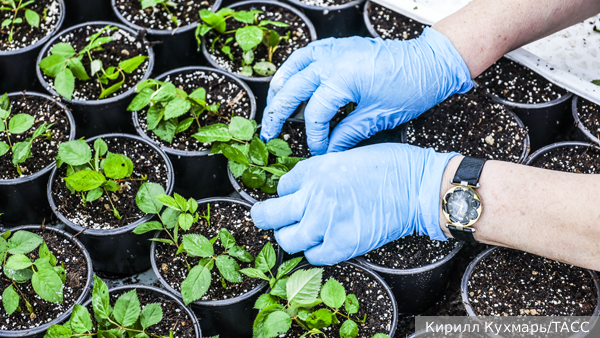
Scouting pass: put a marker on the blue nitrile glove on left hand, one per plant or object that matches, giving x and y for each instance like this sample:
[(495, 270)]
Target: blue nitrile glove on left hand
[(341, 205), (391, 81)]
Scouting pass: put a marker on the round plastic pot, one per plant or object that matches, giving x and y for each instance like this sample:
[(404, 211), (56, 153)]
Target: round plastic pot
[(228, 318), (80, 11), (583, 132), (260, 85), (200, 174), (115, 252), (17, 67), (172, 48), (335, 21), (549, 147), (417, 289), (40, 331), (160, 293), (97, 117), (23, 200), (544, 120)]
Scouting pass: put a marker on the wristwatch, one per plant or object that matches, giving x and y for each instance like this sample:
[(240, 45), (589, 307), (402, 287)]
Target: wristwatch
[(461, 205)]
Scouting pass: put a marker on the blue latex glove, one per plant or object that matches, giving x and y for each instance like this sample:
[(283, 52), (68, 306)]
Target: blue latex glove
[(391, 81), (342, 205)]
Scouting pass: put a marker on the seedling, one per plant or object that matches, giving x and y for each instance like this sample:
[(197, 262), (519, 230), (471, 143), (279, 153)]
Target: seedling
[(19, 124), (126, 319), (182, 214), (32, 18), (64, 65), (248, 37), (301, 298), (93, 176), (248, 155), (165, 4), (47, 278), (167, 104)]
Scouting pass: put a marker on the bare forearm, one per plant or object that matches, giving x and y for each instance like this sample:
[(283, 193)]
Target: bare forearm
[(484, 30)]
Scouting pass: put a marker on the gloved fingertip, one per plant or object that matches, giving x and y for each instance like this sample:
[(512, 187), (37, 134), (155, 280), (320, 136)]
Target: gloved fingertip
[(258, 214), (318, 259), (317, 147), (284, 242)]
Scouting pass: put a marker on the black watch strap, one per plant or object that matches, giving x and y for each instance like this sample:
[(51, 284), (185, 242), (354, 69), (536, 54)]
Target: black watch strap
[(469, 171), (462, 235)]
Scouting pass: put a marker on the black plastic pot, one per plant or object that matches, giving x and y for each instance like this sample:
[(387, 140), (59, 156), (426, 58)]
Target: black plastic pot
[(260, 85), (38, 332), (167, 296), (115, 252), (228, 318), (531, 159), (80, 11), (23, 200), (17, 67), (367, 20), (583, 132), (98, 116), (172, 48), (200, 174), (335, 21), (417, 289)]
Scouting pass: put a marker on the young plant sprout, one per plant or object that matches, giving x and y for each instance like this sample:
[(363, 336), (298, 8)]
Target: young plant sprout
[(248, 37), (248, 155), (165, 4), (301, 298), (92, 176), (19, 124), (32, 18), (167, 104), (47, 278), (126, 319), (64, 65)]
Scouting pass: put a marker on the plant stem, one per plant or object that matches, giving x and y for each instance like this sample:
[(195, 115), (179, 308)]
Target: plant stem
[(12, 25)]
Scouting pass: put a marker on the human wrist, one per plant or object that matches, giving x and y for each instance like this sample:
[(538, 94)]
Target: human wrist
[(447, 177)]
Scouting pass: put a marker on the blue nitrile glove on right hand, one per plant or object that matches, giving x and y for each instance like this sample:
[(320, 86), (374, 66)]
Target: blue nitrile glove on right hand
[(391, 81), (342, 205)]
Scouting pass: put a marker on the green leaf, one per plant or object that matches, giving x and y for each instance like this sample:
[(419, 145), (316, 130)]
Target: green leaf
[(215, 21), (289, 162), (254, 177), (349, 329), (63, 49), (319, 319), (248, 57), (33, 18), (168, 201), (177, 107), (192, 205), (77, 68), (48, 285), (96, 66), (146, 200), (110, 90), (270, 186), (246, 16), (258, 152), (53, 64), (596, 82), (248, 37), (229, 269), (227, 239), (21, 152), (380, 335), (280, 287), (273, 39), (165, 130), (109, 334), (237, 169), (199, 94), (184, 125), (141, 100), (151, 314), (10, 300), (147, 227), (254, 273), (242, 128), (333, 294), (185, 221), (271, 322), (94, 194), (100, 298), (165, 93), (64, 83), (81, 321), (58, 331), (196, 284), (276, 169), (6, 23), (246, 71), (162, 240), (265, 300), (130, 65), (75, 152), (304, 285), (117, 166), (127, 309), (214, 132), (20, 123), (19, 276), (4, 148), (241, 254), (279, 148), (266, 258), (274, 23), (170, 217), (288, 266), (264, 68), (18, 262), (197, 245), (85, 180), (351, 304), (23, 242)]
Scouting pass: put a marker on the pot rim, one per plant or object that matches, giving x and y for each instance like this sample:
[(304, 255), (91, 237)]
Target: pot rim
[(177, 152), (160, 32), (41, 42), (51, 166), (580, 124), (367, 20), (213, 303), (267, 79), (526, 141), (529, 106), (347, 5), (162, 292), (544, 149), (465, 280), (84, 294), (130, 226), (105, 101)]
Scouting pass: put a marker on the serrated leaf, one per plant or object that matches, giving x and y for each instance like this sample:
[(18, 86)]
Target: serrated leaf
[(265, 300), (288, 266), (237, 169), (23, 242), (246, 16), (349, 329), (271, 322), (304, 285), (213, 20), (166, 129), (141, 100), (111, 186), (147, 227), (280, 287), (227, 239), (170, 217), (168, 201), (127, 309), (85, 180), (212, 133), (100, 298), (254, 177), (146, 200), (289, 162), (63, 49), (333, 294), (48, 285), (64, 83), (75, 152), (10, 300), (258, 152), (176, 108), (20, 123), (53, 64), (185, 221), (81, 321), (279, 147), (130, 65), (151, 314), (21, 152), (229, 269), (242, 128), (76, 67), (196, 284), (184, 125), (165, 93), (319, 319), (94, 194), (4, 148), (266, 258), (58, 331), (351, 304), (197, 245), (254, 273), (276, 169), (192, 205), (241, 254), (19, 276), (248, 37), (18, 262)]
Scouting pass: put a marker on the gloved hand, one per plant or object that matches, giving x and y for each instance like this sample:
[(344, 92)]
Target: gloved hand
[(391, 81), (342, 205)]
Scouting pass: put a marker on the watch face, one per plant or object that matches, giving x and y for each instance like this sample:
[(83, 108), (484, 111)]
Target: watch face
[(462, 206)]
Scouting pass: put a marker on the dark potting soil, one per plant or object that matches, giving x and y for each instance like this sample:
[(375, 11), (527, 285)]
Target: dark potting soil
[(187, 12), (471, 125), (174, 317), (223, 215), (43, 151), (123, 47), (574, 159), (412, 251), (25, 35), (372, 298), (511, 282), (300, 37), (513, 82), (391, 25), (76, 270), (589, 115), (98, 214), (325, 3), (233, 99)]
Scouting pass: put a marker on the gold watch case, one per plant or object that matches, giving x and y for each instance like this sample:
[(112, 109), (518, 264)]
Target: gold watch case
[(461, 206)]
